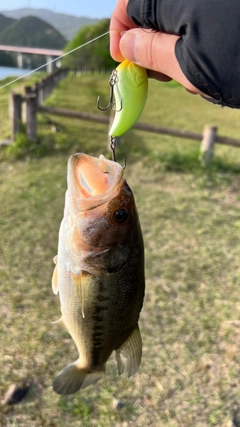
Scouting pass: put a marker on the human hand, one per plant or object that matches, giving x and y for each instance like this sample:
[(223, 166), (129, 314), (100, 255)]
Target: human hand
[(154, 51)]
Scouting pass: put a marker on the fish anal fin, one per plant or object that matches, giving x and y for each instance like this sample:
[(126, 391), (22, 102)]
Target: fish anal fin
[(129, 354), (60, 322), (73, 378), (55, 280)]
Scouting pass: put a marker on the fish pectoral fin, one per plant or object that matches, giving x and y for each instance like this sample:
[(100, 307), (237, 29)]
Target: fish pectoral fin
[(129, 354), (78, 280), (110, 261), (55, 280), (99, 259), (73, 378)]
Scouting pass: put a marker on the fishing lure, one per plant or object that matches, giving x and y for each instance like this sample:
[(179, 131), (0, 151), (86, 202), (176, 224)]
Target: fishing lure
[(128, 94)]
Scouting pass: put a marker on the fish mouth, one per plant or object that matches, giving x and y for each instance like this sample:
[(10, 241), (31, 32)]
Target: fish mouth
[(93, 180)]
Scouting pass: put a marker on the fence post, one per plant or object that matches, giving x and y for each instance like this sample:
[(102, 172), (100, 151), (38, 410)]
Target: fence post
[(207, 145), (15, 114), (43, 89), (31, 122), (36, 91), (40, 93)]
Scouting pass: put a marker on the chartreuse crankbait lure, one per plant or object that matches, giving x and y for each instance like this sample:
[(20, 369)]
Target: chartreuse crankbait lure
[(128, 94)]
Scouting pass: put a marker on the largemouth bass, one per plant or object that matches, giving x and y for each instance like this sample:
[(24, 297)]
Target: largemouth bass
[(99, 272)]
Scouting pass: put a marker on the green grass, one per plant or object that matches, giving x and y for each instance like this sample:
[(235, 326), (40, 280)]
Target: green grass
[(189, 374)]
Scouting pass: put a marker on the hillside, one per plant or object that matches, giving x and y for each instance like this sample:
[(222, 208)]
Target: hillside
[(5, 22), (32, 31), (67, 25)]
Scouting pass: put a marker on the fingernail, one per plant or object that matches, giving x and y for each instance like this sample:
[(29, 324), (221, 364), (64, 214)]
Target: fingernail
[(128, 46)]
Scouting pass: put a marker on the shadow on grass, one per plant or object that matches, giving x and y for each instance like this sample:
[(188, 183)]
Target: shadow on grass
[(189, 162)]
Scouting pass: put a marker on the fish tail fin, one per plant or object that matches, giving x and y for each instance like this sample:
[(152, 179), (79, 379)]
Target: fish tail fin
[(129, 354), (73, 378)]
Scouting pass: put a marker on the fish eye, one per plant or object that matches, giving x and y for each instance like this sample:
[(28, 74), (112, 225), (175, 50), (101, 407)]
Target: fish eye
[(120, 216)]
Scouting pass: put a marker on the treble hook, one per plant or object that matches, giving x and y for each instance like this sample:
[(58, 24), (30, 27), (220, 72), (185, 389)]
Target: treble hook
[(112, 82), (113, 144)]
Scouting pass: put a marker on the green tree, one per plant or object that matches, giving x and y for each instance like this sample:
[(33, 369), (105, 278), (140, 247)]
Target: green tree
[(93, 56)]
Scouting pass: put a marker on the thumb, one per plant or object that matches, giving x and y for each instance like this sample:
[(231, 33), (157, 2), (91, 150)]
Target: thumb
[(154, 51)]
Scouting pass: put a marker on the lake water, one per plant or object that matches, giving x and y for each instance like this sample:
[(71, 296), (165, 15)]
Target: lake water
[(15, 72)]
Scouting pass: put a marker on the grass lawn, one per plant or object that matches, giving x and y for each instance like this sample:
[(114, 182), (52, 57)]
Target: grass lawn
[(190, 322)]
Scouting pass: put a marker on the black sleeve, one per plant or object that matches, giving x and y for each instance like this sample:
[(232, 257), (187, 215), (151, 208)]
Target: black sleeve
[(208, 51)]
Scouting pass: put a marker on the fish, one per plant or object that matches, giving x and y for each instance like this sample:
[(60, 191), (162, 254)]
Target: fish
[(99, 272), (130, 89)]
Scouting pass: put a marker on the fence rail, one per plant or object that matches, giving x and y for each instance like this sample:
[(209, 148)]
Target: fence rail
[(139, 126), (35, 95)]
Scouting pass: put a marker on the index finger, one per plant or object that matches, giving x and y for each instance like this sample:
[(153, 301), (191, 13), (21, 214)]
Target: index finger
[(120, 23)]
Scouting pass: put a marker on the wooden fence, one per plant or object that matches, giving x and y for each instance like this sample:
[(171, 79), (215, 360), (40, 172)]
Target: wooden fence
[(23, 108), (35, 95)]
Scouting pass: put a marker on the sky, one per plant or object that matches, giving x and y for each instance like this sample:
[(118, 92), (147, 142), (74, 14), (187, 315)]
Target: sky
[(88, 8)]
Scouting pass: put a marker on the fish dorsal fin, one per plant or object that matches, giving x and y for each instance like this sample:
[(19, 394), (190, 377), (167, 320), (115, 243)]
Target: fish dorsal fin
[(55, 278), (129, 354), (78, 282)]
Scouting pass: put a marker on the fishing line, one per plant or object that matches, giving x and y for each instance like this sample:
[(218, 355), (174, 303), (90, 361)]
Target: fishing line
[(54, 60)]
